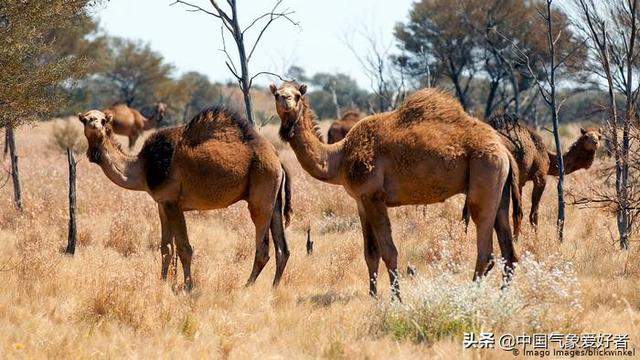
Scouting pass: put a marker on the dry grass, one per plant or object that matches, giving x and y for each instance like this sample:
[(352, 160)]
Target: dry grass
[(108, 300)]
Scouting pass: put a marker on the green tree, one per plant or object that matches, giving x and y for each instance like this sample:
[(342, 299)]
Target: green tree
[(334, 92), (199, 93), (33, 65), (136, 71), (481, 47)]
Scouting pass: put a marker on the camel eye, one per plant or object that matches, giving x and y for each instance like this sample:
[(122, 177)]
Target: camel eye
[(297, 98), (277, 96)]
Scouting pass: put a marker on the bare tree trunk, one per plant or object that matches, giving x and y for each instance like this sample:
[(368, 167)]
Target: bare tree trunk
[(489, 105), (334, 97), (231, 23), (73, 231), (15, 174), (309, 241), (245, 81), (554, 118)]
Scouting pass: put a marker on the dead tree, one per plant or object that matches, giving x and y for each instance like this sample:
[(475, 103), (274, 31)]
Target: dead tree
[(73, 229), (547, 86), (231, 24), (387, 79), (612, 32), (309, 242), (15, 174)]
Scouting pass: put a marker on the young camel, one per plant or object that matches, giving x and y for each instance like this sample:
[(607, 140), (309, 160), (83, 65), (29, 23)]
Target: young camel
[(214, 161), (535, 162), (339, 128), (422, 153), (131, 123)]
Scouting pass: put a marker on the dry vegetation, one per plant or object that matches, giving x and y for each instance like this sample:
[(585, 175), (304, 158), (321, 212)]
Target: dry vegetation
[(108, 301)]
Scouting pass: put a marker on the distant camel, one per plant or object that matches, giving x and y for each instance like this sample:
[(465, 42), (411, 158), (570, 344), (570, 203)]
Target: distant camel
[(340, 128), (214, 161), (131, 123), (425, 152), (535, 162)]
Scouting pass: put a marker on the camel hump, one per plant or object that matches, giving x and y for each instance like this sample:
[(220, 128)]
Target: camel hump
[(351, 116), (218, 123), (430, 105)]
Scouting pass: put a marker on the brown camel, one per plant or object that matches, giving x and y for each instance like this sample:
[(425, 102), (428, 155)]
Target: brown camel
[(580, 154), (535, 162), (131, 123), (422, 153), (214, 161), (339, 128)]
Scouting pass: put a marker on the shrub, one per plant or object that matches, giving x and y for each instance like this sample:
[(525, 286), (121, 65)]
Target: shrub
[(542, 296)]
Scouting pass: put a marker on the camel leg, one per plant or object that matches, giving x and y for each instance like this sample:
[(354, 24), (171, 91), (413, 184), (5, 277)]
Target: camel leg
[(371, 252), (166, 245), (279, 240), (536, 196), (378, 218), (261, 219), (185, 252), (505, 237), (485, 194)]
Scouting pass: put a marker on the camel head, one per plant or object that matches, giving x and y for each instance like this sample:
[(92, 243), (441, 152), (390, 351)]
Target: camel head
[(590, 138), (159, 110), (289, 105), (97, 129)]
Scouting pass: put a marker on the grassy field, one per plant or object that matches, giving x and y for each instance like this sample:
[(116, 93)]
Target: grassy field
[(108, 300)]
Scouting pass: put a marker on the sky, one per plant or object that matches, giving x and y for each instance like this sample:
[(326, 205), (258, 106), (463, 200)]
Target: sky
[(191, 41)]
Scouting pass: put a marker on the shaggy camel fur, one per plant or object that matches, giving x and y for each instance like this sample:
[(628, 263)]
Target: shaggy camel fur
[(214, 161), (535, 162), (425, 152), (580, 154), (131, 123), (339, 129)]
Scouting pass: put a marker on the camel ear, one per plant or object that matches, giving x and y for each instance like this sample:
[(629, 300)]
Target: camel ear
[(303, 89), (107, 119), (82, 118), (583, 131), (273, 88)]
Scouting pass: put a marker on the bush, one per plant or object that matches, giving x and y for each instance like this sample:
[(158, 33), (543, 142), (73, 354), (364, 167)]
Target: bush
[(542, 296), (67, 135)]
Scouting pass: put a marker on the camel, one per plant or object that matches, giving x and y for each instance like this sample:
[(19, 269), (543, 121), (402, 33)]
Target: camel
[(214, 161), (339, 128), (425, 152), (131, 123), (535, 162), (580, 154)]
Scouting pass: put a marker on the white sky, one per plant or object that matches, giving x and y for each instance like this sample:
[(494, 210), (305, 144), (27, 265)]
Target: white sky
[(190, 41)]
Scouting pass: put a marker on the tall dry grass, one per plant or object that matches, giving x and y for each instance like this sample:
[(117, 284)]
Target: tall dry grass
[(108, 300)]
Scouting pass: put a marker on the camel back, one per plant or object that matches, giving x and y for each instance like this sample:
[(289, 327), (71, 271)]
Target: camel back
[(431, 105), (218, 123)]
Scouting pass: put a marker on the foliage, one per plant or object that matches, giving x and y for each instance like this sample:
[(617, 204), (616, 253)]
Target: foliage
[(136, 70), (348, 93), (34, 61), (459, 41)]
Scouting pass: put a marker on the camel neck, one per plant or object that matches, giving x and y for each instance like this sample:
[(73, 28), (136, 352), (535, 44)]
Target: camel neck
[(576, 158), (320, 160), (123, 170)]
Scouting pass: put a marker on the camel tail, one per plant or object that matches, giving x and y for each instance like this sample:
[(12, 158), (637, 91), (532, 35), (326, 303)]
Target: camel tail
[(513, 183), (285, 187), (553, 164)]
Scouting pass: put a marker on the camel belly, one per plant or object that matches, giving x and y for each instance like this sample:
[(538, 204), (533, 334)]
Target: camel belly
[(211, 177), (425, 182)]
